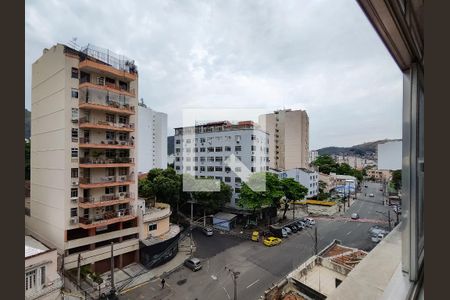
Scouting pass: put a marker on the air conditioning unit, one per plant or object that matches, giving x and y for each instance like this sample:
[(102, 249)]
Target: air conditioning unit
[(121, 195), (74, 181), (120, 213), (73, 220)]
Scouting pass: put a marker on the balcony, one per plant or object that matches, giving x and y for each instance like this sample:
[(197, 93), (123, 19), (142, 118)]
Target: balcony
[(173, 231), (107, 105), (91, 123), (105, 200), (107, 87), (92, 66), (107, 218), (157, 212), (107, 181), (102, 162), (87, 143)]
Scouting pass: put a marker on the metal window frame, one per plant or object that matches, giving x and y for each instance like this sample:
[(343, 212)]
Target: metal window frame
[(412, 173)]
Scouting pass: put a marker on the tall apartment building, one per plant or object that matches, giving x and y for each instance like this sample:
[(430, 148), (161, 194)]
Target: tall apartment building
[(313, 155), (152, 137), (288, 138), (83, 182), (203, 151)]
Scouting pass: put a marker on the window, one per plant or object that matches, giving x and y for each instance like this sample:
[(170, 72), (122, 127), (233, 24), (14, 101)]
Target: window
[(218, 149), (237, 179), (218, 169), (253, 169), (110, 172), (210, 169), (74, 93), (202, 149), (109, 190), (101, 80), (237, 138), (202, 169), (124, 120), (177, 142), (177, 168), (75, 73), (30, 280), (123, 188), (211, 159), (227, 179), (110, 118), (42, 275), (227, 169), (253, 148), (195, 168), (123, 136), (196, 158), (218, 177), (195, 149), (188, 141), (177, 159), (188, 150), (188, 168), (202, 140), (237, 190), (177, 150), (110, 135), (210, 149), (74, 152), (188, 158), (202, 159), (74, 212), (74, 193), (253, 158), (227, 148), (237, 169), (237, 148), (219, 158), (152, 227), (74, 172), (75, 113), (253, 137), (74, 134)]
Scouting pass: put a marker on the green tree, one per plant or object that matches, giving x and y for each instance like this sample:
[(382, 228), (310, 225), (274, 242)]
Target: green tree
[(397, 179), (326, 164), (256, 200), (292, 191)]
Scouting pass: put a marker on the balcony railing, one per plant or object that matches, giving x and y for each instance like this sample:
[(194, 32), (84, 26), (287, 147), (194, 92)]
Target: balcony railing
[(157, 212), (107, 86), (106, 179), (107, 143), (105, 200), (106, 218), (106, 99), (103, 160), (105, 124)]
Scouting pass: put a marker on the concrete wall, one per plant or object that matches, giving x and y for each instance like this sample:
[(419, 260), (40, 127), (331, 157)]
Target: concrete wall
[(321, 210)]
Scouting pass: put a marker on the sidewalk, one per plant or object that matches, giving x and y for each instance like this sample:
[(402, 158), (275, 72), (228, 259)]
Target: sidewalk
[(184, 251)]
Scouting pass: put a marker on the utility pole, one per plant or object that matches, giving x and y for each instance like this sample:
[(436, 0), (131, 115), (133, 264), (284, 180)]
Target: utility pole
[(315, 240), (235, 276), (389, 219), (112, 267), (293, 210), (79, 269), (204, 218)]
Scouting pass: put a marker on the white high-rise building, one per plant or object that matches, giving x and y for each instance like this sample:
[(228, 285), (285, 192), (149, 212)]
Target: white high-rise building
[(152, 136), (83, 155), (203, 151)]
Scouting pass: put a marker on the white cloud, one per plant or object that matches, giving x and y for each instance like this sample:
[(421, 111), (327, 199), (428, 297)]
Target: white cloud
[(322, 56)]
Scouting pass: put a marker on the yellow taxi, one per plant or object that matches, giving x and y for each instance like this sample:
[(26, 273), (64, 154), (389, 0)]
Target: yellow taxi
[(271, 241), (255, 236)]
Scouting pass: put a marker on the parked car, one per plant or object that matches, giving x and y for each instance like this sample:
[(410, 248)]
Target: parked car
[(193, 263), (284, 233), (299, 225), (378, 238), (208, 231), (355, 216), (293, 228), (272, 241), (371, 195), (310, 221), (255, 236), (288, 229)]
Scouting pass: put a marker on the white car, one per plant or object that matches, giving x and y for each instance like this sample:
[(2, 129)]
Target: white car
[(371, 195), (378, 238), (208, 231)]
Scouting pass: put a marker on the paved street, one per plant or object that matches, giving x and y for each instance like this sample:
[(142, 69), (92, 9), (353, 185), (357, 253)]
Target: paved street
[(260, 266)]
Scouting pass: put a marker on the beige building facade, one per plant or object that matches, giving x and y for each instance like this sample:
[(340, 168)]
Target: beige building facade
[(288, 138), (83, 155)]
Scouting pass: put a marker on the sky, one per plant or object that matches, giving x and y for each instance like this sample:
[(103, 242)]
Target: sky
[(322, 56)]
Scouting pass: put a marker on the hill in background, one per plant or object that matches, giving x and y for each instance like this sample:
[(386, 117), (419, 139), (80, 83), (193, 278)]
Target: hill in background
[(362, 150)]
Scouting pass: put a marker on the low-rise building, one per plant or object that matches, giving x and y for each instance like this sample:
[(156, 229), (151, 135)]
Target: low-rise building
[(158, 238), (379, 175), (319, 276), (42, 280), (307, 178), (330, 181)]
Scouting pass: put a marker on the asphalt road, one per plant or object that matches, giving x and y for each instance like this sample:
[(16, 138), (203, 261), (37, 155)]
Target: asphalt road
[(261, 266)]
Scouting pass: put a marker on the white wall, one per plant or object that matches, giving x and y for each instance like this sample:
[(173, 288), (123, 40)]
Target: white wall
[(390, 156), (152, 140)]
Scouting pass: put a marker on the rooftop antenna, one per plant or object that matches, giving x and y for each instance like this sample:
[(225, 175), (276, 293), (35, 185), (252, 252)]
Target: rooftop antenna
[(74, 44)]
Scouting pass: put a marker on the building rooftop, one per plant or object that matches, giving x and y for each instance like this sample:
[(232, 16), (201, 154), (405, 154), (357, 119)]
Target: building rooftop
[(225, 216), (34, 247)]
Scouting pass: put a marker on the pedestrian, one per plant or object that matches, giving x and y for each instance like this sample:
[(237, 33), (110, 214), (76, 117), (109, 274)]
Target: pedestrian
[(163, 281)]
